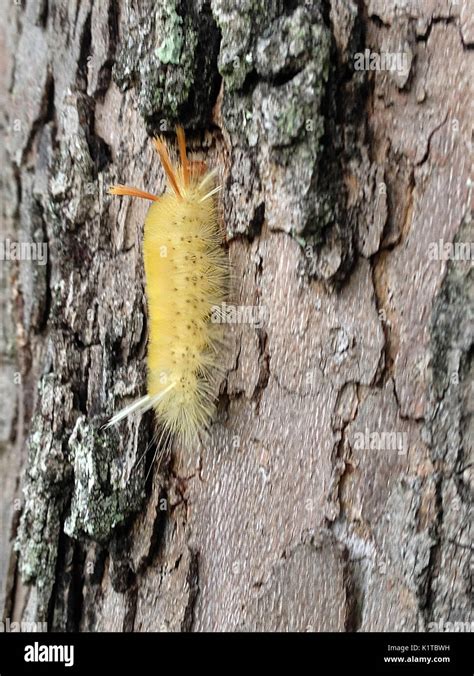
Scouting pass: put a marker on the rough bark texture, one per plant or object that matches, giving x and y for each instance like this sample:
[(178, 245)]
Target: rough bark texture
[(336, 181)]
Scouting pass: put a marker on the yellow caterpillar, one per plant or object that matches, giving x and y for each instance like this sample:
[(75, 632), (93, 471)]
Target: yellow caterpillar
[(187, 274)]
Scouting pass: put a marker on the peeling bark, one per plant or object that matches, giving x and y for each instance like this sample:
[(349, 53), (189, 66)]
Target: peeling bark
[(332, 491)]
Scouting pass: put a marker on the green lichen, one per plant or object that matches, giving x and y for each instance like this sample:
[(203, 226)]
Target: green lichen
[(162, 56), (107, 489), (240, 24), (276, 70), (46, 491), (172, 42), (80, 477)]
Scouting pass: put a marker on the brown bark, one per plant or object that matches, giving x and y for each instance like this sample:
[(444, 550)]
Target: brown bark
[(294, 512)]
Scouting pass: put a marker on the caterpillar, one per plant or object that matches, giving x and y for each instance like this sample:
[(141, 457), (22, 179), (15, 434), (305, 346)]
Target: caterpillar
[(186, 276)]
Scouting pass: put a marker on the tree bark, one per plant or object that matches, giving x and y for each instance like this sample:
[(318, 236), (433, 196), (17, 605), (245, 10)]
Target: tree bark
[(332, 490)]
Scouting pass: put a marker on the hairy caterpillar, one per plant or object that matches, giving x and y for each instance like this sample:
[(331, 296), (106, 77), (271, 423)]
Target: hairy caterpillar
[(187, 273)]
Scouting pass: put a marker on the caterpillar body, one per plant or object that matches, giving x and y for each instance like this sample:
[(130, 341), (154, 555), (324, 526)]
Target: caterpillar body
[(187, 275)]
